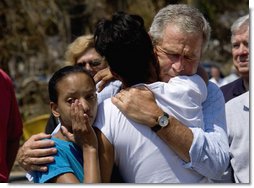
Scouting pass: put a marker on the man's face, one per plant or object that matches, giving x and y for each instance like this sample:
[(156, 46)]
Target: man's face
[(76, 86), (178, 53), (240, 52)]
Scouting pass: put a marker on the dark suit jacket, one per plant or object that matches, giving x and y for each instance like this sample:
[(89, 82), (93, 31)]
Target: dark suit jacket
[(233, 89)]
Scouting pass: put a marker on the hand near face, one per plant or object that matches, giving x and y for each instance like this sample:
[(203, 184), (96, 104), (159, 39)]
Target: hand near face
[(85, 137), (103, 76), (83, 133)]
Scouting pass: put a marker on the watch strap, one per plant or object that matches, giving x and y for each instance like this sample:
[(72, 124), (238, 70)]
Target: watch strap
[(156, 128)]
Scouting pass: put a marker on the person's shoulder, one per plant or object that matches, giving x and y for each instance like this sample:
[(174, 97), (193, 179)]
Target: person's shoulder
[(106, 107), (231, 84), (243, 98), (61, 144), (106, 102), (3, 74), (4, 77), (184, 79), (65, 148), (194, 83), (211, 86), (214, 93), (112, 84)]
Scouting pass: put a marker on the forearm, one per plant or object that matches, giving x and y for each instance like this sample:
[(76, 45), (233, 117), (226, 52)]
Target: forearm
[(210, 149), (91, 166), (144, 110), (209, 152), (178, 137), (205, 152)]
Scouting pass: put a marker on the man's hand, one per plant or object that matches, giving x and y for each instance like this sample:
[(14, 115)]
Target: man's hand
[(36, 153), (139, 105), (104, 76)]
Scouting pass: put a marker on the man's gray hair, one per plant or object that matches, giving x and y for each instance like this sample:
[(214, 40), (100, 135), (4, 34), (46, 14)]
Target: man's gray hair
[(186, 18), (241, 24)]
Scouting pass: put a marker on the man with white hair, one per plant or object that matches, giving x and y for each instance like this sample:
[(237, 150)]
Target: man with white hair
[(240, 52)]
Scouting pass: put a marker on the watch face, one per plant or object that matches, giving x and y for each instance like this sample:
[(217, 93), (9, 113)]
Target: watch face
[(163, 121)]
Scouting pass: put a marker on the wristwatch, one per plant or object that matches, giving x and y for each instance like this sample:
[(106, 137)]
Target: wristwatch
[(162, 122)]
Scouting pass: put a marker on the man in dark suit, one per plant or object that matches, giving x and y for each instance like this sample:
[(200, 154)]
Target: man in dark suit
[(240, 52)]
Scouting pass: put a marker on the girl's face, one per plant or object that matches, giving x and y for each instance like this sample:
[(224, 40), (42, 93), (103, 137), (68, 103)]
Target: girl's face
[(75, 86)]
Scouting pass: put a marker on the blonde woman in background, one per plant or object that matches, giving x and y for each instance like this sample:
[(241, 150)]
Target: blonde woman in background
[(82, 51)]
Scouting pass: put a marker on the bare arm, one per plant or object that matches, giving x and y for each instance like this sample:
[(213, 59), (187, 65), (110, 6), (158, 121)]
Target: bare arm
[(64, 178), (85, 137), (36, 153), (176, 135), (96, 148), (106, 156)]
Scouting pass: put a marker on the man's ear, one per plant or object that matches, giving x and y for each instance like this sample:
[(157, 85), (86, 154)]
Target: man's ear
[(54, 109)]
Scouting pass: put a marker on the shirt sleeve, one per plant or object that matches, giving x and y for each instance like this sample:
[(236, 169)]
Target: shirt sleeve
[(15, 121), (209, 151), (59, 166), (10, 113), (188, 94)]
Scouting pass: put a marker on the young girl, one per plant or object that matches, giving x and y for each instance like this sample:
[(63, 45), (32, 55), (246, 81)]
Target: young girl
[(73, 101)]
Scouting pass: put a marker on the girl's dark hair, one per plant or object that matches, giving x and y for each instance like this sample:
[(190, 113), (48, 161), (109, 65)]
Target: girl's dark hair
[(59, 75), (126, 45)]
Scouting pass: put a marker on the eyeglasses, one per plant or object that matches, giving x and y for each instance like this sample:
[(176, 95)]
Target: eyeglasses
[(92, 63)]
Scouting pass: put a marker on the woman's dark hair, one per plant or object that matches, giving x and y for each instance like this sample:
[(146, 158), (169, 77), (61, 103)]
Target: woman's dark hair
[(59, 75), (126, 45)]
